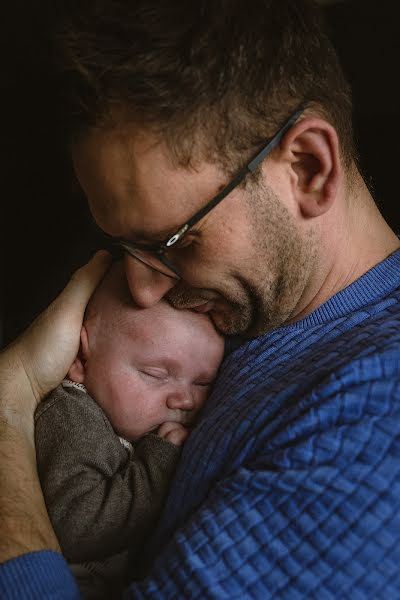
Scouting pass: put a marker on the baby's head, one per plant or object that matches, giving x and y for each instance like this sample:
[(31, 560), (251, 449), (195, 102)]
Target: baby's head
[(144, 366)]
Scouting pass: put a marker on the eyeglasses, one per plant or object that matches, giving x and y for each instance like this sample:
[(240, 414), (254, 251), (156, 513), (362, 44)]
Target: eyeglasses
[(154, 255)]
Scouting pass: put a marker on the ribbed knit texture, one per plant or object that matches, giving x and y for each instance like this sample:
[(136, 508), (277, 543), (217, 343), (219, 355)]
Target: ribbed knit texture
[(289, 487), (37, 576)]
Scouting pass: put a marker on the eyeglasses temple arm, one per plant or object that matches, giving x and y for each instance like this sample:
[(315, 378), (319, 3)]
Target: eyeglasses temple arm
[(259, 157), (217, 199), (250, 167)]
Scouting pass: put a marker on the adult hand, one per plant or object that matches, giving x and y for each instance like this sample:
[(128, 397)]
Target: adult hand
[(29, 368), (42, 355)]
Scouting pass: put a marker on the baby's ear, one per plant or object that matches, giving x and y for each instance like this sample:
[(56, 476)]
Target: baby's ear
[(77, 370)]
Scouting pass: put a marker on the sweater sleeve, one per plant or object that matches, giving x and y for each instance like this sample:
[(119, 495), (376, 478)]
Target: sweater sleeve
[(101, 498), (38, 576), (317, 517)]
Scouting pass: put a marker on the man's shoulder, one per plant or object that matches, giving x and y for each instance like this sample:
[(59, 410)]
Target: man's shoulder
[(372, 328), (357, 353), (365, 345)]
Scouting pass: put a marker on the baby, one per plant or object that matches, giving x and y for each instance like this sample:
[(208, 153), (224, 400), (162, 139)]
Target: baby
[(108, 439)]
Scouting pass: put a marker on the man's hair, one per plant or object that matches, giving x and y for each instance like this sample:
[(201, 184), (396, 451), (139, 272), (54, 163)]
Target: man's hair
[(213, 78)]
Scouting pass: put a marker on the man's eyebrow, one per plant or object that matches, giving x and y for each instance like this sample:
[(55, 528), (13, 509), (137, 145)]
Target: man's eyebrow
[(138, 236), (146, 237)]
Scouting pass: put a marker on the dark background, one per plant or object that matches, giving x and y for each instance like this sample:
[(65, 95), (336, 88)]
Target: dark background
[(45, 223)]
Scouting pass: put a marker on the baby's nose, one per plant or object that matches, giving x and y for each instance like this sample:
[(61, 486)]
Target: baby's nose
[(181, 398)]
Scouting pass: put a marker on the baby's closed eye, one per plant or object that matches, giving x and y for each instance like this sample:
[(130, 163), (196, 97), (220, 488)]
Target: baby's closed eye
[(154, 373)]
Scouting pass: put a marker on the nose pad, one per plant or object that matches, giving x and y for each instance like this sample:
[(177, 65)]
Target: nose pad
[(147, 286), (180, 398)]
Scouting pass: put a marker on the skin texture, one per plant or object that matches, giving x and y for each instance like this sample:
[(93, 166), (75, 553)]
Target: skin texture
[(262, 293), (28, 371), (340, 230), (270, 253), (145, 367)]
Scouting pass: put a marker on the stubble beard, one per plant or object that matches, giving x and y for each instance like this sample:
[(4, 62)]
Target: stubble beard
[(271, 278), (286, 260)]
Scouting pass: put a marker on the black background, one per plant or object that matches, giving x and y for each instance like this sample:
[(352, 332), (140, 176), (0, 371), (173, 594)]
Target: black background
[(45, 223)]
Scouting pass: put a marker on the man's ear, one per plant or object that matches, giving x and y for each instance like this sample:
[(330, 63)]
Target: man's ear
[(77, 370), (312, 147)]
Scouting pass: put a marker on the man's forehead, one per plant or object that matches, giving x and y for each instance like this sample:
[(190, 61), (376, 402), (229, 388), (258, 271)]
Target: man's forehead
[(133, 188)]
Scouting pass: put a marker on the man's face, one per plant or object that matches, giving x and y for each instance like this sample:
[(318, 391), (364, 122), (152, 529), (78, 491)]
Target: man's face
[(246, 263), (146, 367)]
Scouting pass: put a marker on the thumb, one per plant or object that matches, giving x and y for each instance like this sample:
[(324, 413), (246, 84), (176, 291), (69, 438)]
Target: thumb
[(49, 346), (82, 284)]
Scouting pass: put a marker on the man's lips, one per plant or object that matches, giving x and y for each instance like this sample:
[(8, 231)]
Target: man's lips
[(198, 304), (203, 308)]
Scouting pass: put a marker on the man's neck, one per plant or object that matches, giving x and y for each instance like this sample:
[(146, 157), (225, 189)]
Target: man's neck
[(355, 237)]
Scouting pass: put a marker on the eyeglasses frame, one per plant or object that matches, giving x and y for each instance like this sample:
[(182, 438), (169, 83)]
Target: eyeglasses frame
[(158, 250)]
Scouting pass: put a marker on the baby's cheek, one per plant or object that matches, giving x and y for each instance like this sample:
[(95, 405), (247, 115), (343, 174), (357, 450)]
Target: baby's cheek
[(121, 423), (114, 406)]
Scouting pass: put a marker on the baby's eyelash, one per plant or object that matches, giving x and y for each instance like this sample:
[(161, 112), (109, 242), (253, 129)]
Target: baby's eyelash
[(155, 375)]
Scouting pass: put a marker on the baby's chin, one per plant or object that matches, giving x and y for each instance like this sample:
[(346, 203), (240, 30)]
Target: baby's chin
[(133, 435)]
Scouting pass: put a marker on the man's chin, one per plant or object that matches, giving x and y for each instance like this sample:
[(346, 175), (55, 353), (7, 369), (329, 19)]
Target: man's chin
[(231, 322), (228, 317), (240, 322)]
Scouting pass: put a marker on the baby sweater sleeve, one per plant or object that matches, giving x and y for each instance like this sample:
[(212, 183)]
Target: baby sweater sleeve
[(100, 497)]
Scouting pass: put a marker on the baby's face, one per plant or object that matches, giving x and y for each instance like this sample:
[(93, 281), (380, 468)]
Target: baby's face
[(151, 366)]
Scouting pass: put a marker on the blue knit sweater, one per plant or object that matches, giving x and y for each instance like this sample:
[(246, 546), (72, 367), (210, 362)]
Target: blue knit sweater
[(289, 487)]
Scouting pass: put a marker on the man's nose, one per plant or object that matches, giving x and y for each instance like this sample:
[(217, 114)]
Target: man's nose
[(146, 285), (180, 398)]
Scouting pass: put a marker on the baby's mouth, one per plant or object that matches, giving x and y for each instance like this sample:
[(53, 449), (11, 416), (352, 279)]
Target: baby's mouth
[(187, 417)]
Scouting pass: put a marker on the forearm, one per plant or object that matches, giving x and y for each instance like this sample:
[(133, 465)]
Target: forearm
[(25, 525)]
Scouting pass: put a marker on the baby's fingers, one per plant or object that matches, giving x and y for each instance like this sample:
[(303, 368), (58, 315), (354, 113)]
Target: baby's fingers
[(174, 433)]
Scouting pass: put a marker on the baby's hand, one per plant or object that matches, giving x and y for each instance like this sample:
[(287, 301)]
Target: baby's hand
[(173, 432)]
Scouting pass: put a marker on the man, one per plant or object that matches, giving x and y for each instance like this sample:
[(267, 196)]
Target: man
[(213, 141)]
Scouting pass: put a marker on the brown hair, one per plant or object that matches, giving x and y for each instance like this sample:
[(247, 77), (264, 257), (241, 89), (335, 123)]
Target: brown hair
[(214, 78)]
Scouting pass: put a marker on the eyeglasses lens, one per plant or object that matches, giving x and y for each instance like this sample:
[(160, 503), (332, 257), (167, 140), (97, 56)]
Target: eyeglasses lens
[(150, 260)]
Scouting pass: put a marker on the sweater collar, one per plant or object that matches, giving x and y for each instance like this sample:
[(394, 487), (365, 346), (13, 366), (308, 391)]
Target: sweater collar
[(377, 283)]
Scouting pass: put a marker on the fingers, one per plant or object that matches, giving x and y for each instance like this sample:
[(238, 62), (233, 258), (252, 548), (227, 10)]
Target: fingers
[(47, 349), (85, 280), (174, 433)]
